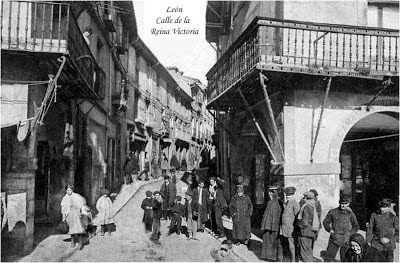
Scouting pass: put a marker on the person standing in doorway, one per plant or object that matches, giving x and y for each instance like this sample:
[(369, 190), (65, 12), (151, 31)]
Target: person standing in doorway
[(271, 247), (341, 223), (383, 230), (290, 210), (200, 196), (241, 210)]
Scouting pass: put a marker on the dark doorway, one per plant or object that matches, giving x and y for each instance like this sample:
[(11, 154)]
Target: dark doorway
[(42, 182)]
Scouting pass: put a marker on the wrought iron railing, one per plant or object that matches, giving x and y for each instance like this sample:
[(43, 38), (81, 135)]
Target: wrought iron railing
[(312, 48), (49, 27)]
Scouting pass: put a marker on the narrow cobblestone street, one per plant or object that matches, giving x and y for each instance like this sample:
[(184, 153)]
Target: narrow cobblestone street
[(131, 243)]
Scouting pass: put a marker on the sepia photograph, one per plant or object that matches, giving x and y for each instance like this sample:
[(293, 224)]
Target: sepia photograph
[(200, 131)]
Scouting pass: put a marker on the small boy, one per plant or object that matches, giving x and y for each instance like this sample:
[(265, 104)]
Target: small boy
[(157, 212), (177, 210), (147, 204), (223, 254), (191, 216)]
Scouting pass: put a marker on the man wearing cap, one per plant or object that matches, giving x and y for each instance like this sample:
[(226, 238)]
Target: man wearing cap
[(200, 196), (168, 193), (383, 230), (217, 204), (241, 210), (341, 223), (271, 247), (191, 214), (147, 206), (157, 212), (308, 223), (290, 210)]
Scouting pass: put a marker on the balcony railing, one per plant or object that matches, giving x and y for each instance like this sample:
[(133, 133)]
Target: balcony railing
[(304, 47), (50, 28)]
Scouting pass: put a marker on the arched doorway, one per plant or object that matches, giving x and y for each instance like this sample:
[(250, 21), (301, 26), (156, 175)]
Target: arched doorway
[(369, 157)]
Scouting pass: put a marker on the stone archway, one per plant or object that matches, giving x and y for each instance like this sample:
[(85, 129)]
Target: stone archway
[(346, 125)]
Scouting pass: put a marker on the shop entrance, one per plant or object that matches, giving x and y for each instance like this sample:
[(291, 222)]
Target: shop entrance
[(370, 163)]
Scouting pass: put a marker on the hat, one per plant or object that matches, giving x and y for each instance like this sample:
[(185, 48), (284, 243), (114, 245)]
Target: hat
[(356, 237), (344, 199), (315, 192), (239, 187), (178, 198), (309, 195), (166, 177), (290, 190), (104, 191), (189, 193), (224, 247), (385, 202), (149, 193), (156, 192), (273, 188)]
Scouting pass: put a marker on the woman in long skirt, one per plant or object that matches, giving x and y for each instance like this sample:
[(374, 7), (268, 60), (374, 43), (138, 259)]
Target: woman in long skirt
[(71, 205)]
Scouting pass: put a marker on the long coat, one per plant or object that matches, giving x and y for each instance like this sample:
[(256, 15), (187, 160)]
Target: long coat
[(241, 210), (383, 225), (104, 206), (204, 202), (290, 211), (71, 208), (168, 193), (148, 213), (306, 221), (270, 225), (343, 222)]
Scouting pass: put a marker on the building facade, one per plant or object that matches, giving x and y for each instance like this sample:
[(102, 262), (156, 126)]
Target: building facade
[(307, 101), (62, 63)]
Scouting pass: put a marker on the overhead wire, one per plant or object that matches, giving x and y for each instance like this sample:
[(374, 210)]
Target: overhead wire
[(372, 138)]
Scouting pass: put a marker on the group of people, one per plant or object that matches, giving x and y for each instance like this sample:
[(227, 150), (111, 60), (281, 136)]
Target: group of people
[(196, 204), (77, 214), (292, 227)]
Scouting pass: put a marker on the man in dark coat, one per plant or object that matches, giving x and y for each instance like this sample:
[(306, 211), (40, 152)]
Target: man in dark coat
[(341, 223), (290, 211), (168, 193), (241, 210), (308, 223), (271, 247), (383, 230), (200, 196), (359, 251), (178, 211), (217, 204), (145, 171), (157, 212), (147, 206)]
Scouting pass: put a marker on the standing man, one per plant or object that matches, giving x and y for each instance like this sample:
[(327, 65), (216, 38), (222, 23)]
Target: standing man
[(309, 225), (218, 204), (341, 223), (168, 193), (200, 196), (241, 210), (290, 211), (271, 247), (146, 170), (383, 230)]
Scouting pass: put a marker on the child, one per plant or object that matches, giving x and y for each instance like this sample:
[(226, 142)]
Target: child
[(157, 212), (148, 211), (223, 254), (191, 216), (176, 222), (104, 206), (87, 220)]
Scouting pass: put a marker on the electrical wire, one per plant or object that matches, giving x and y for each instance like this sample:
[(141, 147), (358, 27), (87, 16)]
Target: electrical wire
[(372, 138), (26, 82)]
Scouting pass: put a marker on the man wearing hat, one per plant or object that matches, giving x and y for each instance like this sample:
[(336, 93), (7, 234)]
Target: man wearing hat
[(168, 193), (218, 204), (191, 214), (271, 247), (200, 196), (147, 206), (241, 210), (290, 210), (341, 223), (383, 230), (308, 223)]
